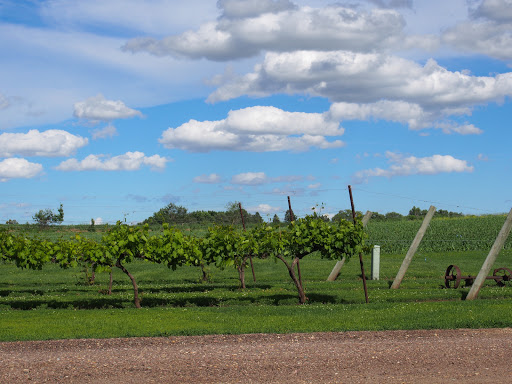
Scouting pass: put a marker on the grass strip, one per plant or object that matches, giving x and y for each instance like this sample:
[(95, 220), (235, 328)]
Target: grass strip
[(150, 322)]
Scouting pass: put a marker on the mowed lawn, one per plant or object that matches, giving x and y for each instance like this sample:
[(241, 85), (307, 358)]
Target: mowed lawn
[(57, 303)]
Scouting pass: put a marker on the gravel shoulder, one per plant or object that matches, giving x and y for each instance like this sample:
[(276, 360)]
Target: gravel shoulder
[(433, 356)]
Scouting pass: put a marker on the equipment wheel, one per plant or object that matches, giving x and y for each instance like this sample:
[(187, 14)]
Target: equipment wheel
[(452, 277)]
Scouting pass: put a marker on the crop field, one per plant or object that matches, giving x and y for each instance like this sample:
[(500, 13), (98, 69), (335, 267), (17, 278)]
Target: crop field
[(444, 234)]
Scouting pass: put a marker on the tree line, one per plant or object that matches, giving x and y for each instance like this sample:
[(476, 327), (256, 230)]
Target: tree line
[(175, 214)]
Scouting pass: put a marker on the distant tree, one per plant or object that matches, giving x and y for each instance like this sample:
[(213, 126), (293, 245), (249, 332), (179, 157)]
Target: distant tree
[(325, 218), (171, 214), (276, 220), (47, 217), (393, 216), (257, 218), (377, 216), (445, 213), (288, 216), (416, 212), (92, 227), (11, 222), (346, 215)]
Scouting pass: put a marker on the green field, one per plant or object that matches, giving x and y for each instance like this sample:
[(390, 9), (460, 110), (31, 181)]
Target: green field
[(57, 303)]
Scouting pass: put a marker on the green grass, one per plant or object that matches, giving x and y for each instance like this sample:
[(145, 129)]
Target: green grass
[(55, 303)]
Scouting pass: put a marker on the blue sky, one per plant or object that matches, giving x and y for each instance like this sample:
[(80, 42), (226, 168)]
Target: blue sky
[(117, 108)]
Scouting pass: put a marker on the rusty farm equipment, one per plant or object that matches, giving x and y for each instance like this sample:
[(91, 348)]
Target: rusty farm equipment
[(453, 277)]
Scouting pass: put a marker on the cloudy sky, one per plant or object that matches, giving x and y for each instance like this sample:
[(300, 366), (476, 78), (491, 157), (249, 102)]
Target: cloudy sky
[(117, 108)]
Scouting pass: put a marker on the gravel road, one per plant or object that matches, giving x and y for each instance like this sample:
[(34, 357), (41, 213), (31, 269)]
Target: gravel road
[(438, 356)]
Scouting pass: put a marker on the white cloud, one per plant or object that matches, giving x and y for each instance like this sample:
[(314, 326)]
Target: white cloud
[(130, 161), (314, 186), (250, 27), (75, 64), (98, 221), (398, 111), (208, 179), (406, 113), (496, 10), (98, 108), (250, 178), (256, 129), (108, 131), (51, 143), (272, 120), (344, 76), (252, 8), (488, 38), (464, 129), (490, 34), (373, 85), (15, 168), (264, 208), (406, 166), (258, 178)]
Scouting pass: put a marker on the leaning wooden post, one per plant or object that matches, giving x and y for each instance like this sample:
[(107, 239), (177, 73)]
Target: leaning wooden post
[(412, 249), (292, 218), (250, 256), (491, 258), (360, 253), (337, 268)]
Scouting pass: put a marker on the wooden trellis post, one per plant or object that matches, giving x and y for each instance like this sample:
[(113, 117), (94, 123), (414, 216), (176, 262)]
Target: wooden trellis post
[(412, 249), (491, 258), (337, 268)]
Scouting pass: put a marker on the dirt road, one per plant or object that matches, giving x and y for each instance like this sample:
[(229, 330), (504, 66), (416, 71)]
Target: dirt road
[(444, 356)]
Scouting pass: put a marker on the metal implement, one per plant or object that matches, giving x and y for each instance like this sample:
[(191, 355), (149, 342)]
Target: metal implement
[(453, 277)]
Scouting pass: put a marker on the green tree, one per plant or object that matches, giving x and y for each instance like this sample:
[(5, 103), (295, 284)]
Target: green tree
[(276, 220), (171, 214), (288, 216), (393, 215), (416, 212), (47, 216), (257, 218), (346, 215)]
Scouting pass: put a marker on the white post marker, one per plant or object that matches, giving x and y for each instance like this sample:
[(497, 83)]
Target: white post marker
[(375, 262)]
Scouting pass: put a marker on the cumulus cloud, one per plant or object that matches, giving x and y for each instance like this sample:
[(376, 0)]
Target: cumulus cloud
[(15, 168), (250, 178), (496, 10), (403, 112), (259, 178), (264, 208), (250, 26), (51, 143), (406, 166), (212, 178), (365, 78), (108, 131), (372, 85), (490, 34), (256, 129), (130, 161), (233, 9), (97, 108)]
